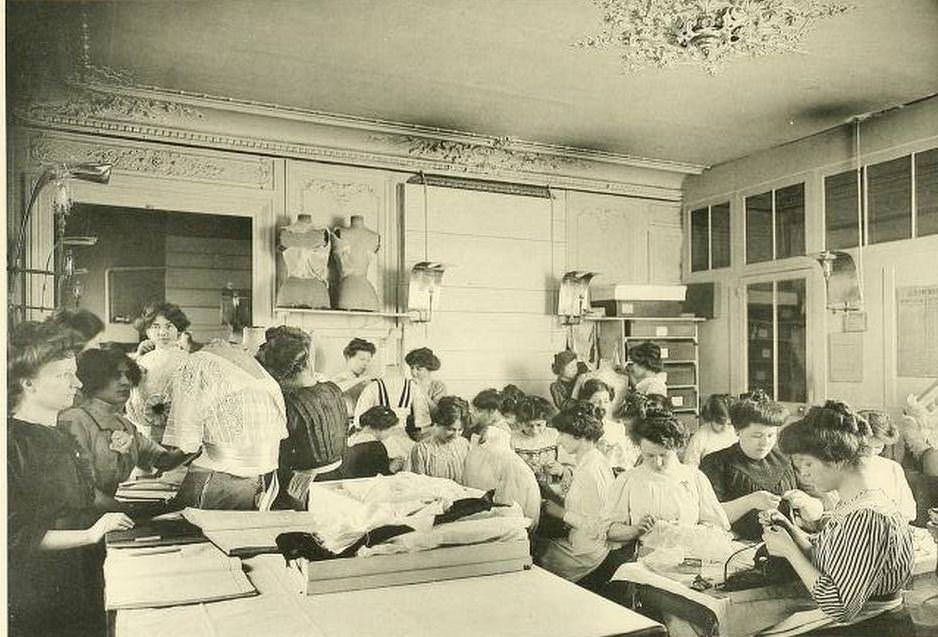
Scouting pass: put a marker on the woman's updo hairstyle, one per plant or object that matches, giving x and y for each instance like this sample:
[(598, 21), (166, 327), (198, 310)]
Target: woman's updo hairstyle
[(661, 428), (881, 424), (488, 399), (452, 409), (511, 399), (580, 419), (535, 408), (378, 417), (285, 353), (594, 386), (31, 346), (717, 408), (98, 367), (832, 433), (755, 408), (636, 405), (170, 311)]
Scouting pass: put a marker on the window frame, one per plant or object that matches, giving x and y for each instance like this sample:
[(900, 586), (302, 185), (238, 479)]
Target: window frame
[(689, 216), (764, 189)]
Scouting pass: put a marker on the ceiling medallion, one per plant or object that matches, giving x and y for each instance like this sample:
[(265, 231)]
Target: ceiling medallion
[(708, 33)]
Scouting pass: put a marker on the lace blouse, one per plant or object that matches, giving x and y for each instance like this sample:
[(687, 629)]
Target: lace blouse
[(150, 401), (225, 402)]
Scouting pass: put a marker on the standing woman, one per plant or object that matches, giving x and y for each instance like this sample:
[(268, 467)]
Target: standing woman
[(856, 566), (160, 356), (53, 557)]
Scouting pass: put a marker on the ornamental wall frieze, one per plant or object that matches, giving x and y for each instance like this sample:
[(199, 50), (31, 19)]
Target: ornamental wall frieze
[(162, 162), (88, 104)]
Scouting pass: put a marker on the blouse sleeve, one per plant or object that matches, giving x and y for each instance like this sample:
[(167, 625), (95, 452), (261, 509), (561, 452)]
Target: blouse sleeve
[(74, 422), (711, 512), (150, 453), (714, 473), (417, 459), (616, 508), (852, 561), (593, 498), (27, 518), (692, 451)]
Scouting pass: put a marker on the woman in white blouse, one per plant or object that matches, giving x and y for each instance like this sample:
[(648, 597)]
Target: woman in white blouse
[(230, 404), (582, 551), (661, 487)]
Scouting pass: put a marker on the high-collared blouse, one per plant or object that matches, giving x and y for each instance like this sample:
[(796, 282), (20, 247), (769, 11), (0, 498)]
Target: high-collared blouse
[(225, 402), (92, 426), (439, 459)]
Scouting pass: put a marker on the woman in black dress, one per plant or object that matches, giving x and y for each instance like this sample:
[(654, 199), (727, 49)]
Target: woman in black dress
[(366, 455), (53, 552)]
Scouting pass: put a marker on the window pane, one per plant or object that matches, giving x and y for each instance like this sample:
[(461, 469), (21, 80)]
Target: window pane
[(889, 188), (840, 210), (699, 240), (792, 382), (759, 228), (759, 320), (789, 221), (926, 192), (720, 235)]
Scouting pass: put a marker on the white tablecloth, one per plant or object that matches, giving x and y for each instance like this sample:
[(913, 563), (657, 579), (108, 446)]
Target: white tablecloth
[(530, 603)]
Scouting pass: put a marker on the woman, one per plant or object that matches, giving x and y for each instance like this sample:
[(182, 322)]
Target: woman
[(890, 473), (106, 438), (83, 327), (856, 566), (161, 326), (423, 362), (615, 444), (351, 380), (584, 548), (443, 453), (229, 404), (645, 369), (487, 417), (715, 432), (54, 552), (565, 367), (533, 440), (661, 487), (512, 397), (366, 455), (754, 475), (317, 420)]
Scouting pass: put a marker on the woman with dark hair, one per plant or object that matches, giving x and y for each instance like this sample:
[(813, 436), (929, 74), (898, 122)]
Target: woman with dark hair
[(54, 531), (82, 327), (583, 549), (106, 438), (229, 404), (532, 439), (615, 444), (856, 566), (566, 369), (358, 355), (660, 488), (366, 455), (160, 326), (512, 397), (317, 420), (645, 369), (754, 475), (423, 362), (714, 433), (443, 453)]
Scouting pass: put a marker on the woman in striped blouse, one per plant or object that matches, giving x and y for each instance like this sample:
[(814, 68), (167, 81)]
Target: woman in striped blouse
[(856, 566)]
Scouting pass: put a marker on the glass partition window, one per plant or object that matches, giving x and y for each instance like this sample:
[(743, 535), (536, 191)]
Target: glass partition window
[(840, 210), (710, 237), (926, 193), (775, 224), (889, 200), (776, 333)]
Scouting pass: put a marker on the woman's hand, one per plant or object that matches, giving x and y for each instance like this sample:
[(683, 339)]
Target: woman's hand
[(810, 509), (110, 522), (646, 524), (146, 346), (121, 442), (778, 542), (396, 464), (763, 500)]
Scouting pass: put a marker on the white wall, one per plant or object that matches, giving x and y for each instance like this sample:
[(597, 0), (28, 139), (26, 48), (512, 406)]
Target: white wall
[(886, 265)]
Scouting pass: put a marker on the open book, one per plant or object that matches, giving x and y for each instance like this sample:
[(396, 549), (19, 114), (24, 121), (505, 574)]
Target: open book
[(171, 576)]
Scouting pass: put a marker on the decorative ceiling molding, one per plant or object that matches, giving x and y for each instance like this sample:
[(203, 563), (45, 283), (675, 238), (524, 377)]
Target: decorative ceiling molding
[(228, 125), (163, 162)]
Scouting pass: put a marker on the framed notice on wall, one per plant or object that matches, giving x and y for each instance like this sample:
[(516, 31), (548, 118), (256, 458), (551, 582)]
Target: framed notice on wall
[(917, 329)]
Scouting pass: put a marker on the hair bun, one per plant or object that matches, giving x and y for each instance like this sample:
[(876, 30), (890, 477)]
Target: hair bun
[(841, 418), (757, 395)]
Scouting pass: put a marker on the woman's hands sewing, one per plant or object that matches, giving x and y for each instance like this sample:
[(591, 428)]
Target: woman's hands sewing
[(772, 520), (646, 524)]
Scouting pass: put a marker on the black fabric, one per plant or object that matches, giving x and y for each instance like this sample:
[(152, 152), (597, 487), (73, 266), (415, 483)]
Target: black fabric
[(733, 475), (366, 459), (895, 623), (599, 577), (49, 488), (296, 544), (466, 507), (317, 422)]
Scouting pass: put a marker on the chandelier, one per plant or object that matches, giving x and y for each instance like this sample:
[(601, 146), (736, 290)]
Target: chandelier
[(664, 33)]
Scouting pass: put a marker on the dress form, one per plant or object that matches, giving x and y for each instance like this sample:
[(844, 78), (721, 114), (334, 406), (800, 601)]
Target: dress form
[(304, 262), (354, 248)]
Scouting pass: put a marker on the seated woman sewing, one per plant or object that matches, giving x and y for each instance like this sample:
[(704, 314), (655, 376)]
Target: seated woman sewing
[(443, 453), (228, 403), (366, 455), (532, 439), (753, 475), (661, 487), (583, 549), (856, 566), (106, 438), (54, 532)]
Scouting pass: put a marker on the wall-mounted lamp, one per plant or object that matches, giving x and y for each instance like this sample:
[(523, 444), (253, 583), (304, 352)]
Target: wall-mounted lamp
[(574, 298), (426, 280), (840, 278), (59, 174)]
